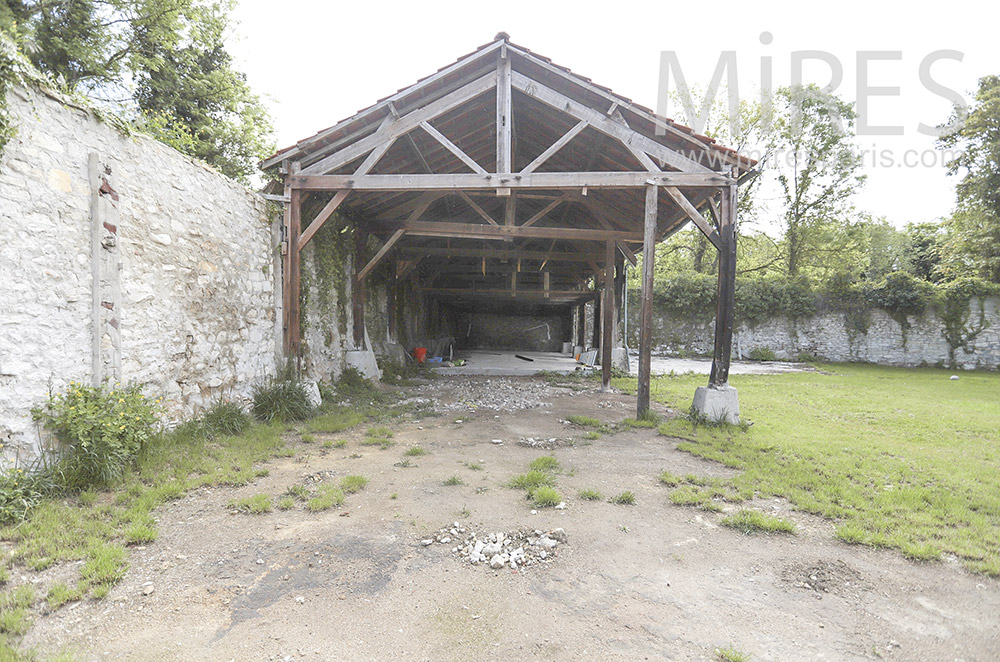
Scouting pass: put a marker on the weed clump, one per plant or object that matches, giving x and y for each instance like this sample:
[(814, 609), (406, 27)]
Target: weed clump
[(227, 419), (545, 497), (100, 432), (282, 399), (258, 504), (753, 521), (625, 498)]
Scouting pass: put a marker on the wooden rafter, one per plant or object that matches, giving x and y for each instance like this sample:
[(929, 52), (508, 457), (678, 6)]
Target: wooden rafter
[(603, 124), (403, 125)]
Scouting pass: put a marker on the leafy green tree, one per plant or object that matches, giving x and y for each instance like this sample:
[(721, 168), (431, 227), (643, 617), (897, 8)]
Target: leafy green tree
[(812, 138), (161, 62), (972, 245), (925, 250)]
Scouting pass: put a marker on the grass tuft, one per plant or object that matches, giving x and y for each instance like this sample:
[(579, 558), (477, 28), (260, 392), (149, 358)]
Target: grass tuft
[(532, 480), (585, 421), (753, 521), (545, 497), (625, 498), (453, 481), (730, 654), (590, 495), (327, 496), (352, 484), (258, 504), (415, 451), (545, 463)]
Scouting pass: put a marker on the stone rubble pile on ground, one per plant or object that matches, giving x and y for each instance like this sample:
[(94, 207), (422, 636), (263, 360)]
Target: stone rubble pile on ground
[(545, 444), (495, 393), (514, 549)]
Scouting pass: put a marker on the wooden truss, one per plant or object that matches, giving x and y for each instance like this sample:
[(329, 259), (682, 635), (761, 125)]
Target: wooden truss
[(505, 176)]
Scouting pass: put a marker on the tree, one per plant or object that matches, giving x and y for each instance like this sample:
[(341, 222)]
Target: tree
[(162, 63), (925, 250), (973, 232), (811, 136)]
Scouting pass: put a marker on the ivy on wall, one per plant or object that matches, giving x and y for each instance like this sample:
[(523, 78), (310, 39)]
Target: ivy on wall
[(902, 296)]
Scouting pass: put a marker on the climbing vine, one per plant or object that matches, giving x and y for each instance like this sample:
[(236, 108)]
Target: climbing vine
[(330, 248), (954, 307)]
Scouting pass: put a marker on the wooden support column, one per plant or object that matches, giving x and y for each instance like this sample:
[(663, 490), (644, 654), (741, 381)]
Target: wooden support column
[(390, 302), (646, 307), (293, 271), (608, 313), (581, 325), (727, 289), (358, 288)]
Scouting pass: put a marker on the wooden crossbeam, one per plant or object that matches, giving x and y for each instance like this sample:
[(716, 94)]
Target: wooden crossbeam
[(599, 121), (512, 254), (386, 247), (549, 207), (477, 231), (471, 182), (453, 148), (555, 147), (479, 210), (553, 295), (695, 216), (403, 125)]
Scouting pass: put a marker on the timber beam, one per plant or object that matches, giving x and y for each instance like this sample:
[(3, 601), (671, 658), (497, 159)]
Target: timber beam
[(537, 180)]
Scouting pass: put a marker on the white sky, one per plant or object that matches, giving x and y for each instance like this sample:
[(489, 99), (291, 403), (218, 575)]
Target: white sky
[(318, 62)]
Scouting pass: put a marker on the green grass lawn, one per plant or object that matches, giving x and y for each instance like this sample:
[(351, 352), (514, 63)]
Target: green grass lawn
[(901, 458)]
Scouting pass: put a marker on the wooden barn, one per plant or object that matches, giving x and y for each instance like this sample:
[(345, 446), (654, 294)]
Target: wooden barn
[(505, 185)]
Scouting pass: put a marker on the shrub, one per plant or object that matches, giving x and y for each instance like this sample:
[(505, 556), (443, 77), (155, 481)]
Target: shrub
[(100, 431), (227, 419), (761, 354), (281, 399), (20, 491)]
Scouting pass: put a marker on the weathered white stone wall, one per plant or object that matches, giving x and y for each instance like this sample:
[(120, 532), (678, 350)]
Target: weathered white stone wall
[(198, 314), (827, 336)]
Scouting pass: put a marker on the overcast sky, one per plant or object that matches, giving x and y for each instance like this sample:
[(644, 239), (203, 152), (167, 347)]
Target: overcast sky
[(317, 62)]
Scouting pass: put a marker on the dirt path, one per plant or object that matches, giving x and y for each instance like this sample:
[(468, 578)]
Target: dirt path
[(651, 581)]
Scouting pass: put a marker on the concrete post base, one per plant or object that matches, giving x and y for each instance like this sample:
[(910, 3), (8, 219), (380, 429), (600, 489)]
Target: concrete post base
[(619, 359), (363, 360), (718, 404)]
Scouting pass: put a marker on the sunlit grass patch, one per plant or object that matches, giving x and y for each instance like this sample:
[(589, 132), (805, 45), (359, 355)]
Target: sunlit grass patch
[(754, 521)]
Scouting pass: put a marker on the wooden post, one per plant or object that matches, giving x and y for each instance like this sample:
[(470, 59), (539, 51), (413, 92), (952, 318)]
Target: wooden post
[(581, 325), (646, 310), (390, 302), (293, 259), (595, 331), (608, 313), (358, 288), (504, 129), (726, 291)]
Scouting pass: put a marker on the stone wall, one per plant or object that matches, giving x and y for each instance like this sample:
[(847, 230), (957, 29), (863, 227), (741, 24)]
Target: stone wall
[(833, 336), (529, 328), (186, 262)]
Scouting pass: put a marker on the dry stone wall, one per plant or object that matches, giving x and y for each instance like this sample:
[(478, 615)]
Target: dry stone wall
[(835, 336), (187, 269)]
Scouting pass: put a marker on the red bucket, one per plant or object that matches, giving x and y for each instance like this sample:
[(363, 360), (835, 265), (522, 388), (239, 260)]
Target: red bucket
[(420, 354)]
